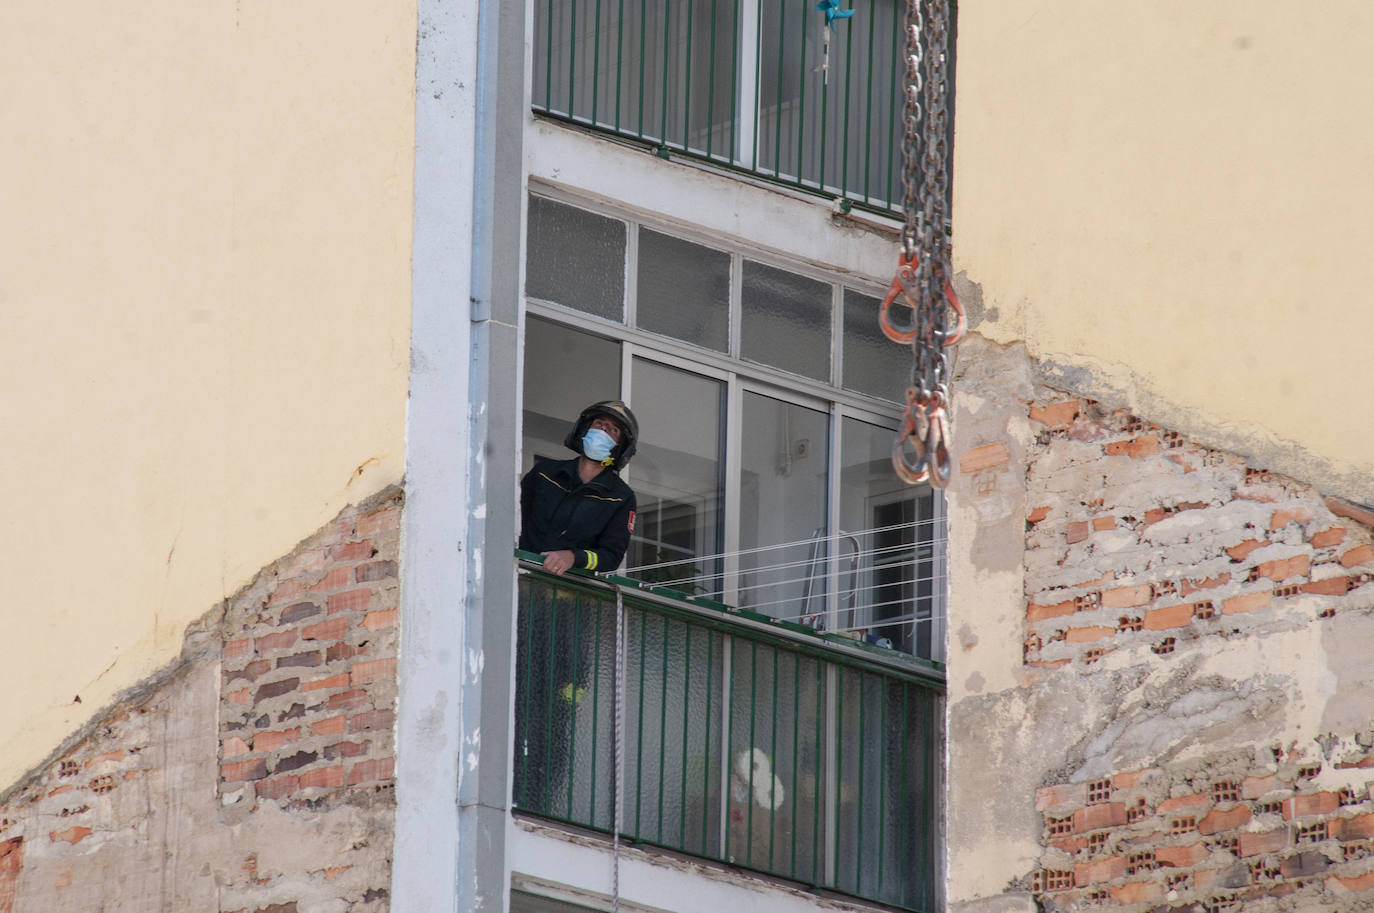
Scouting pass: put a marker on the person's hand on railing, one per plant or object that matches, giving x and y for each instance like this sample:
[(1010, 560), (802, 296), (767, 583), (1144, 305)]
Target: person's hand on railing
[(558, 562)]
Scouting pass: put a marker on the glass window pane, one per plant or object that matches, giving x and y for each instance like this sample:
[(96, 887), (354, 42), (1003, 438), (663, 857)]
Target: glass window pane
[(565, 371), (576, 258), (873, 364), (785, 321), (676, 476), (887, 552), (684, 290), (782, 508)]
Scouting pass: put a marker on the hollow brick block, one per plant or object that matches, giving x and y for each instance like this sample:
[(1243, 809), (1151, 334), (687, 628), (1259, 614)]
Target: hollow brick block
[(1179, 803), (1331, 586), (1242, 550), (1126, 597), (1174, 616), (1311, 804), (1101, 523), (1361, 827), (1353, 882), (1248, 602), (1281, 569), (1219, 820), (1363, 554), (1036, 612), (1088, 634), (1138, 892), (1257, 843), (1096, 817), (1037, 515), (1098, 871), (1254, 787), (1055, 414), (1282, 517), (1047, 797), (1076, 532), (1181, 856), (1333, 536)]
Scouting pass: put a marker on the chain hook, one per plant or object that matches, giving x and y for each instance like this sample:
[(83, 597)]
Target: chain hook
[(904, 277)]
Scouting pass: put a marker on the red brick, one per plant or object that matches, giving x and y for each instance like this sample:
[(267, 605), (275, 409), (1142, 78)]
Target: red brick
[(1126, 597), (1056, 414), (1283, 517), (298, 612), (371, 720), (1249, 602), (1076, 532), (1129, 778), (373, 571), (1218, 820), (236, 648), (346, 750), (1360, 827), (332, 681), (353, 551), (1048, 664), (1333, 536), (277, 787), (237, 771), (1190, 586), (72, 835), (350, 601), (1241, 552), (275, 689), (288, 590), (271, 741), (1331, 586), (1281, 569), (1205, 878), (375, 621), (1098, 871), (1089, 634), (333, 629), (335, 725), (241, 696), (1181, 856), (252, 670), (310, 560), (338, 577), (1037, 515), (1036, 612), (372, 670), (1350, 511), (1101, 523), (1138, 892), (986, 456), (1142, 445), (1362, 554), (1255, 844), (233, 747), (371, 771), (326, 777), (379, 521), (1047, 797), (1096, 817), (1179, 803), (348, 700), (345, 651), (1355, 883), (277, 641), (309, 659), (1254, 787), (1311, 804), (1174, 616)]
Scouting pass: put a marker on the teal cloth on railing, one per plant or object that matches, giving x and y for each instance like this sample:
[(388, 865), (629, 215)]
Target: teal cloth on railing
[(833, 11)]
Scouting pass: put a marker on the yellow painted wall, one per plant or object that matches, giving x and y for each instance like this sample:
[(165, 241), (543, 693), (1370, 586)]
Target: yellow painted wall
[(204, 300), (1177, 197)]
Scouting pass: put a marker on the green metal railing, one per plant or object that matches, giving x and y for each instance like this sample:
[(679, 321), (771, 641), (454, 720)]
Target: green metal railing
[(746, 741), (744, 84)]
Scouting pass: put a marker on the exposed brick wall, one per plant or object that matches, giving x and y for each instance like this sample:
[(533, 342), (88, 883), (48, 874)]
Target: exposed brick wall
[(1145, 551), (255, 776), (1139, 540)]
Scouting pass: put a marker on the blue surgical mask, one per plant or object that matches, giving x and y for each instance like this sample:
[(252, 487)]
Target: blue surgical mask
[(597, 445)]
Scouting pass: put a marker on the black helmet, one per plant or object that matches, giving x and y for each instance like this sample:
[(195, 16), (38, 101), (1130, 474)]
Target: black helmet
[(620, 413)]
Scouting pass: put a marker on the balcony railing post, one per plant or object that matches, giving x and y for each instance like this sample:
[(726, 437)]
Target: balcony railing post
[(748, 13)]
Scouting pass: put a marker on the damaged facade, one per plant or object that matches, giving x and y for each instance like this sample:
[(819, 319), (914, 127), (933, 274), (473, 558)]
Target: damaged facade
[(1120, 664)]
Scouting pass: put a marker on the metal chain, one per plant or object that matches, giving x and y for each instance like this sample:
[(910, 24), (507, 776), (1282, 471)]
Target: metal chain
[(924, 272)]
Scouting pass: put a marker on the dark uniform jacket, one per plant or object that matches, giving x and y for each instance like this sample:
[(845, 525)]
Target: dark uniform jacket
[(558, 512)]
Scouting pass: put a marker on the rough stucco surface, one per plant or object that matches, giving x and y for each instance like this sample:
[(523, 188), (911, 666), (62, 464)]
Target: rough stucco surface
[(1173, 710), (167, 801)]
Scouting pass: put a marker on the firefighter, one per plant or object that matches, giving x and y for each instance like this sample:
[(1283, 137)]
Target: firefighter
[(579, 513)]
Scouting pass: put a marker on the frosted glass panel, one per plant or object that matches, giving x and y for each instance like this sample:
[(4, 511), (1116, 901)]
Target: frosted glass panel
[(783, 507), (873, 364), (785, 321), (684, 290), (565, 371), (575, 258)]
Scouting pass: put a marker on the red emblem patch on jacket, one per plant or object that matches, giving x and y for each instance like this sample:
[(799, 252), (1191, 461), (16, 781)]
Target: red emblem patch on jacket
[(630, 524)]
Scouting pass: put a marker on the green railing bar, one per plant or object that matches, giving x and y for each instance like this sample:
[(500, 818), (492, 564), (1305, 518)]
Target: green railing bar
[(548, 59), (711, 86), (816, 825), (548, 710), (639, 743), (596, 708), (859, 807), (727, 711), (868, 109), (572, 58), (663, 117), (619, 57), (882, 784), (734, 87), (643, 54), (894, 112), (801, 95), (773, 754), (706, 762), (529, 689), (573, 698), (796, 717), (777, 116), (838, 821), (753, 742), (687, 83), (848, 98), (686, 732), (596, 61), (663, 725)]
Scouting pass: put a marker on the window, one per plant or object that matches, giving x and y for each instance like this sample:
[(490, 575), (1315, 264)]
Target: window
[(763, 472)]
